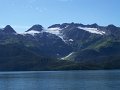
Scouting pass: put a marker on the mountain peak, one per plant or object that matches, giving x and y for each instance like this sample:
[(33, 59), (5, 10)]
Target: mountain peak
[(36, 27), (9, 29), (112, 27), (95, 25), (54, 26)]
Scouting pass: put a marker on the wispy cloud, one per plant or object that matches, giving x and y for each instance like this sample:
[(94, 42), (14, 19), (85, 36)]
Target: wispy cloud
[(33, 5), (40, 10)]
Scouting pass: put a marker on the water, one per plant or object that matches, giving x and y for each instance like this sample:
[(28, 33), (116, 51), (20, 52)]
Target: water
[(60, 80)]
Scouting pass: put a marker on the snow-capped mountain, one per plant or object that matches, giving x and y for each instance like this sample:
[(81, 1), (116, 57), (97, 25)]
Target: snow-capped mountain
[(62, 30), (35, 29), (74, 42), (71, 41)]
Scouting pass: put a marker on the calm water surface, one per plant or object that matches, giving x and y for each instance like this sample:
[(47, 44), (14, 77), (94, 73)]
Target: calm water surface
[(60, 80)]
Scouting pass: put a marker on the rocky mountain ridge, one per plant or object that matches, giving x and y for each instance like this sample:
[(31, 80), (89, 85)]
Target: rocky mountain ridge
[(71, 42)]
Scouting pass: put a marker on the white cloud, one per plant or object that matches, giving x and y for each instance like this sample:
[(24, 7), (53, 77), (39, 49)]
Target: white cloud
[(33, 6), (40, 10)]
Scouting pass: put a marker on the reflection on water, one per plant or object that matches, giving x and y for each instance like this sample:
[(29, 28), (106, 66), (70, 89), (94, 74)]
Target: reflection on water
[(60, 80)]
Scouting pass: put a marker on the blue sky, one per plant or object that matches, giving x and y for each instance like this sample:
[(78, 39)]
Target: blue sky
[(22, 14)]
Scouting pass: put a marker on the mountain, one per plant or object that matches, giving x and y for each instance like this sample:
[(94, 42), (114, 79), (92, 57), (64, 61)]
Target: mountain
[(8, 29), (36, 27), (60, 47), (92, 44)]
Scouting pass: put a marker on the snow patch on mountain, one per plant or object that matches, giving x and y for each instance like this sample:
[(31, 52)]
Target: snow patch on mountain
[(1, 28), (32, 32), (92, 30), (66, 57), (71, 40), (55, 31), (67, 26)]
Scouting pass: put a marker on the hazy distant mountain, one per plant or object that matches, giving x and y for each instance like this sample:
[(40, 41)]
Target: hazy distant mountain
[(60, 46)]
